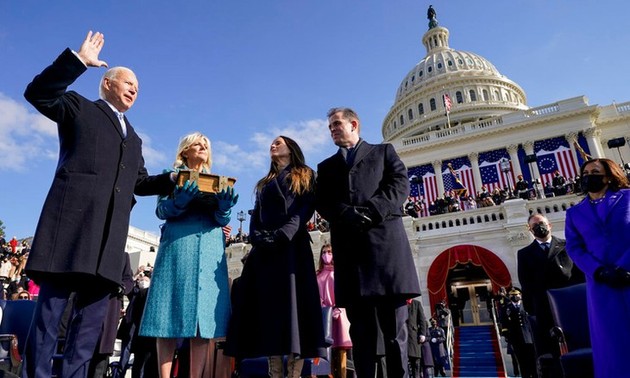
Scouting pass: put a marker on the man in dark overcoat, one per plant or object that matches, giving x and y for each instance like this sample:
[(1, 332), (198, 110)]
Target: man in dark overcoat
[(81, 234), (360, 191), (419, 348), (542, 265)]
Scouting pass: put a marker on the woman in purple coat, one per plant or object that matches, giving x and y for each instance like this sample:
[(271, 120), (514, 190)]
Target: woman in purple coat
[(598, 240)]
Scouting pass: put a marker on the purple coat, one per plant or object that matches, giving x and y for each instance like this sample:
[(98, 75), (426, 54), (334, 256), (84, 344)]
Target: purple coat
[(591, 243)]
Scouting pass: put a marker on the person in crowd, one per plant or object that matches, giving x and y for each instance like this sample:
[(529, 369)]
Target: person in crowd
[(502, 301), (80, 238), (519, 334), (442, 315), (549, 190), (597, 230), (470, 203), (483, 193), (107, 339), (143, 348), (418, 346), (340, 323), (280, 312), (189, 295), (13, 243), (22, 295), (411, 208), (521, 188), (360, 191), (542, 265), (559, 184), (438, 351), (498, 196)]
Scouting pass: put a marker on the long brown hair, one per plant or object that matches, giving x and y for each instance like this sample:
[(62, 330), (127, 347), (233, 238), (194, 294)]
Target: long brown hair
[(301, 176), (617, 177)]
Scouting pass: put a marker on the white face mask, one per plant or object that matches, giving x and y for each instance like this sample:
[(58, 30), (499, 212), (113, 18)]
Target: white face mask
[(144, 284)]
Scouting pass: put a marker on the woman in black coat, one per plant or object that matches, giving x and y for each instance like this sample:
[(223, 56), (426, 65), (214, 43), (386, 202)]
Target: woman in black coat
[(278, 305)]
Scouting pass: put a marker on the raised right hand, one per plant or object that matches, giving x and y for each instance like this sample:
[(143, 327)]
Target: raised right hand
[(90, 49)]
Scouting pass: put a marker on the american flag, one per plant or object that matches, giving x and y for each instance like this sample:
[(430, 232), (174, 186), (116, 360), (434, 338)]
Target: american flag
[(491, 174), (447, 102), (463, 170), (423, 185), (554, 154)]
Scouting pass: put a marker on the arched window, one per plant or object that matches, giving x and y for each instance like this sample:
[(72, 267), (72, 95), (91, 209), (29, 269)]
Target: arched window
[(402, 120), (485, 95), (420, 109), (432, 104), (410, 114), (497, 95), (459, 97), (473, 95)]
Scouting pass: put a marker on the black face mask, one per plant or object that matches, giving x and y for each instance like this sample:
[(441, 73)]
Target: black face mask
[(593, 183), (540, 230), (515, 298)]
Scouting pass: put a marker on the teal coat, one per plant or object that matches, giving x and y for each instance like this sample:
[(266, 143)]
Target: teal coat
[(189, 287)]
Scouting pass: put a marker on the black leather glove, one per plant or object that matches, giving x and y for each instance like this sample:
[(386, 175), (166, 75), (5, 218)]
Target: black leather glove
[(358, 217), (267, 239), (612, 276)]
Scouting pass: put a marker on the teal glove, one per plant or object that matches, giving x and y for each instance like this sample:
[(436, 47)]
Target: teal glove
[(184, 194), (226, 199)]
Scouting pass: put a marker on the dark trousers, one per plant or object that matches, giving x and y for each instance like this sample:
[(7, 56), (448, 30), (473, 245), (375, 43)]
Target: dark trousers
[(84, 328), (378, 328)]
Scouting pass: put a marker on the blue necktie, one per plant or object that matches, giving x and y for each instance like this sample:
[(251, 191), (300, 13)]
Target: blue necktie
[(545, 246)]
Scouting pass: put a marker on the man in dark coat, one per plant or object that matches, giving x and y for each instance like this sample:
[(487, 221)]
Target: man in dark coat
[(542, 265), (419, 348), (361, 190), (521, 188), (519, 334), (80, 238)]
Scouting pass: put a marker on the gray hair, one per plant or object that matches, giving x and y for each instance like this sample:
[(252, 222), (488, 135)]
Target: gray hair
[(111, 73)]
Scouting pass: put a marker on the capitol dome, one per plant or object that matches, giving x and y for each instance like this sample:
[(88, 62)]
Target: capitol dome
[(477, 90)]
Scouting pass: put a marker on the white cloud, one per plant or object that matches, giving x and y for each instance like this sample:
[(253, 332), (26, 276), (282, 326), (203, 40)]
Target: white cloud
[(154, 159), (28, 136), (250, 159), (25, 136)]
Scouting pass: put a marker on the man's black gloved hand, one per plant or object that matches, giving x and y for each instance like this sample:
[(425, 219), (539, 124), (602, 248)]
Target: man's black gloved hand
[(612, 276)]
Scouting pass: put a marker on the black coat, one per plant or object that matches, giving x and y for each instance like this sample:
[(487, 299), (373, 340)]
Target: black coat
[(277, 308), (539, 271), (376, 262), (82, 230), (417, 326)]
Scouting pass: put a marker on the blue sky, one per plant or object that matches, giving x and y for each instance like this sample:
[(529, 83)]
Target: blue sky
[(243, 72)]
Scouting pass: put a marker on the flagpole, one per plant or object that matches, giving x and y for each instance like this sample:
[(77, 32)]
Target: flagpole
[(448, 120)]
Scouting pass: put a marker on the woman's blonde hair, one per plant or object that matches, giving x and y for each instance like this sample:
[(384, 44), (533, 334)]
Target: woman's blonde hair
[(184, 145), (300, 178)]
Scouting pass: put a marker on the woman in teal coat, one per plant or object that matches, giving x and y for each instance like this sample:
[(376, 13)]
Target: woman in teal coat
[(189, 294)]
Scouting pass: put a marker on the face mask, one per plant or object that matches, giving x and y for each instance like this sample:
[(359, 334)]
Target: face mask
[(144, 284), (540, 230), (327, 258), (515, 298), (593, 183)]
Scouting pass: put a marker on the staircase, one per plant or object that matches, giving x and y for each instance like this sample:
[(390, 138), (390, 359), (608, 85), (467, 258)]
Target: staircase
[(477, 353)]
